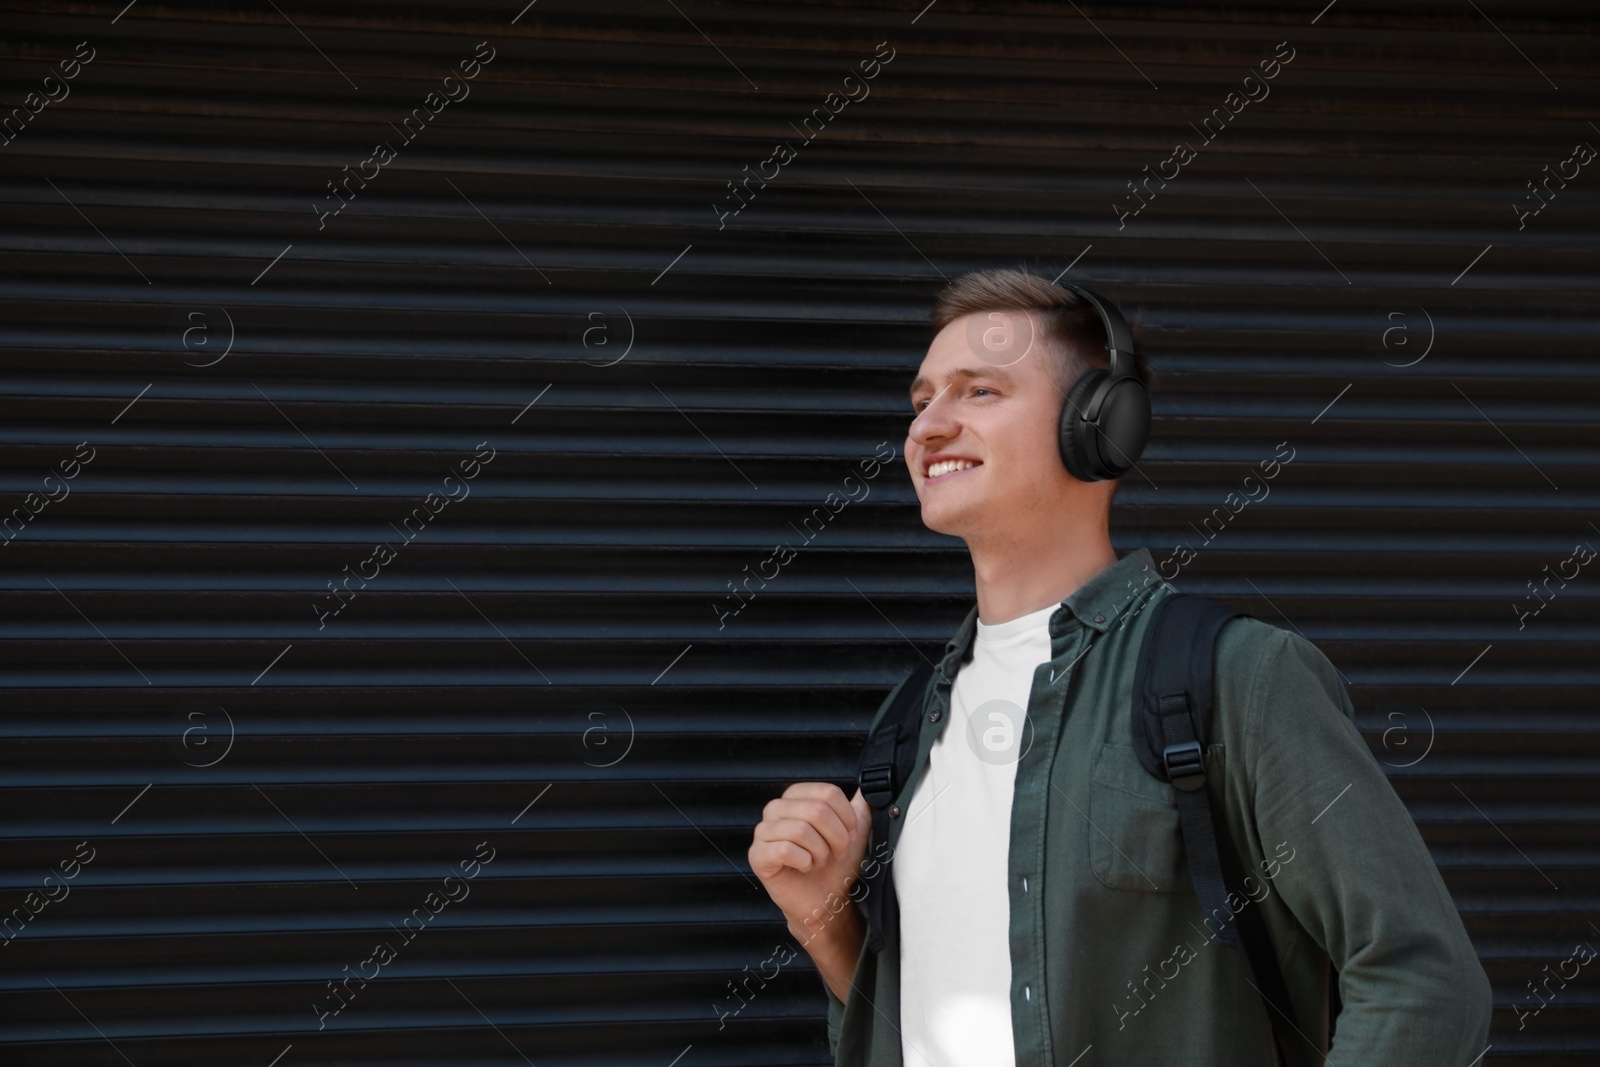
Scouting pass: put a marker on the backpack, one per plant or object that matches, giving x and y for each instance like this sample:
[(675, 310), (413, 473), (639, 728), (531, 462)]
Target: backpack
[(1173, 697)]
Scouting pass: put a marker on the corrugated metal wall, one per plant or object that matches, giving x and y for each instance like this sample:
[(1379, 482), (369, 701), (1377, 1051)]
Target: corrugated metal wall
[(372, 517)]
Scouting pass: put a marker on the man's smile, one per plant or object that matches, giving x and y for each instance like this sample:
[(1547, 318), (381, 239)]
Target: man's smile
[(940, 467)]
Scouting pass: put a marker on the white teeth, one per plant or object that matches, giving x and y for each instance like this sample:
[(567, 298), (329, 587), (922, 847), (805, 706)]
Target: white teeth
[(945, 466)]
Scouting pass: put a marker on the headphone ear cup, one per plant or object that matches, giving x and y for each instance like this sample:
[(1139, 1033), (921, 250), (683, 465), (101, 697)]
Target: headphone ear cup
[(1074, 431), (1123, 427)]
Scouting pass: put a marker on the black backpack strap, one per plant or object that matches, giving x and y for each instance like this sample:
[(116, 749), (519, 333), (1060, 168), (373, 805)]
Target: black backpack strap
[(1292, 1042), (1173, 697), (887, 760)]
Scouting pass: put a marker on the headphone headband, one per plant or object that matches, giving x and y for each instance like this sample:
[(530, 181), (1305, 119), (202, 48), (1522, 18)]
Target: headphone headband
[(1119, 338)]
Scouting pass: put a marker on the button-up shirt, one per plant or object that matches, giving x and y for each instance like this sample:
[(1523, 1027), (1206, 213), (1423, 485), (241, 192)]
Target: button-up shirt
[(1112, 961)]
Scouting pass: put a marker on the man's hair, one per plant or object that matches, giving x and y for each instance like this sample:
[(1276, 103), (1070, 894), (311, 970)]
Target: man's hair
[(1074, 336)]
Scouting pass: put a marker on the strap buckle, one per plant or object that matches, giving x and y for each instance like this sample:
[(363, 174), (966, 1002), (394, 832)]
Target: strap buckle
[(1184, 765), (877, 784)]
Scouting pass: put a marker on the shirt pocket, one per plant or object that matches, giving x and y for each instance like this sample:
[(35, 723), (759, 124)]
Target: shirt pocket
[(1135, 834)]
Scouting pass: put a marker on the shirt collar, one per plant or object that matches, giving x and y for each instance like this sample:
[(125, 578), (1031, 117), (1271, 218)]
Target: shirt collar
[(1096, 604)]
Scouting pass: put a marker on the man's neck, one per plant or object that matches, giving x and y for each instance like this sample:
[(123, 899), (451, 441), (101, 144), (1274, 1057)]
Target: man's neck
[(1023, 576)]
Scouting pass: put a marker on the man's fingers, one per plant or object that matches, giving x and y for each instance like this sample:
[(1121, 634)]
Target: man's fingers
[(830, 824), (767, 858), (822, 805), (806, 828), (800, 833), (829, 794)]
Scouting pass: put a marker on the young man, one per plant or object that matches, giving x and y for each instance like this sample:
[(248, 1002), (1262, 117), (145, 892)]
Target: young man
[(1045, 911)]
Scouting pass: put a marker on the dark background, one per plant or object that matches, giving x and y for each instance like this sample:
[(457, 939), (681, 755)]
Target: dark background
[(541, 668)]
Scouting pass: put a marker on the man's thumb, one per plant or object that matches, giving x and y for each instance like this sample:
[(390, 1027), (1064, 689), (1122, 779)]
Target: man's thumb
[(863, 812)]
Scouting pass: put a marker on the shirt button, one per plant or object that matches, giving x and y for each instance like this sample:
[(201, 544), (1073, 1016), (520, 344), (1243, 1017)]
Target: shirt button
[(1027, 993), (1024, 885), (933, 716), (1099, 617), (894, 811)]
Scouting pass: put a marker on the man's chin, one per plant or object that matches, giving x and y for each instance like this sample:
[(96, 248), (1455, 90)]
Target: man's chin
[(953, 522)]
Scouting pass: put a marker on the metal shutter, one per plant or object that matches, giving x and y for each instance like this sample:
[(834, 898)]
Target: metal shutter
[(539, 667)]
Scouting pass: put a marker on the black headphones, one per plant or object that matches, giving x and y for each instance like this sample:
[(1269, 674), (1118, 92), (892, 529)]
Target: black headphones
[(1106, 419)]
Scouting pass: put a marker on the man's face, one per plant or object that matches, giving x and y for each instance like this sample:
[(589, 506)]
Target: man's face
[(985, 397)]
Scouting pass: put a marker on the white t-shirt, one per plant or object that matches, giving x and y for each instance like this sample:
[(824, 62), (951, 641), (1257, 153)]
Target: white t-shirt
[(950, 864)]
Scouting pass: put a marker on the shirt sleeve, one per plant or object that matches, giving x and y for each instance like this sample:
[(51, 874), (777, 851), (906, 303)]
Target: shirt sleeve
[(1363, 884)]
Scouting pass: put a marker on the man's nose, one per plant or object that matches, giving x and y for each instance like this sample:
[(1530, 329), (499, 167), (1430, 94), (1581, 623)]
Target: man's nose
[(934, 422)]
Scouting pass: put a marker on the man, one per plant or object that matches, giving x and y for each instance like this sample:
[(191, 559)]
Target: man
[(1045, 912)]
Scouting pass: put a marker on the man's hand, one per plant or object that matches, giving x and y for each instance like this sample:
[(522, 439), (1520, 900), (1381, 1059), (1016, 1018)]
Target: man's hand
[(807, 851)]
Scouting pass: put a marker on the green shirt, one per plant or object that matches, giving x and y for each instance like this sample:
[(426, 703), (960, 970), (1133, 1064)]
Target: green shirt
[(1111, 960)]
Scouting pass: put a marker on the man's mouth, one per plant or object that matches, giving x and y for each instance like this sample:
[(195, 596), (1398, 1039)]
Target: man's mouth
[(948, 468)]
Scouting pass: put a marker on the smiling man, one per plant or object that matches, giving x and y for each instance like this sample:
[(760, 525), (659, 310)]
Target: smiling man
[(1039, 906)]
